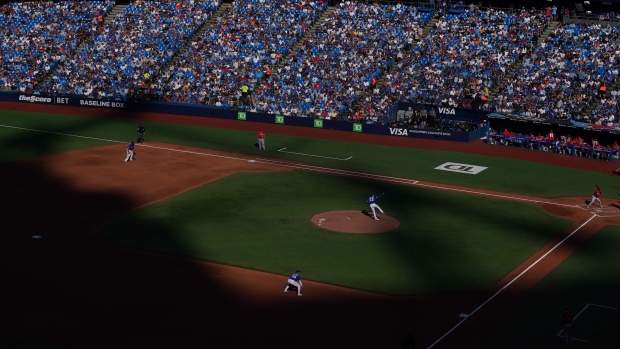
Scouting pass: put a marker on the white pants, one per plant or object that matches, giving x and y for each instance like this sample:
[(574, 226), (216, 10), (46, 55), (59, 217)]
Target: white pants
[(129, 155), (261, 143), (373, 206), (594, 198), (296, 284)]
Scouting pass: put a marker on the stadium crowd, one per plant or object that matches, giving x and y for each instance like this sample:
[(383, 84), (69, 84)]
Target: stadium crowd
[(128, 51), (564, 74), (357, 64), (37, 36), (464, 56), (246, 41), (344, 57), (566, 144)]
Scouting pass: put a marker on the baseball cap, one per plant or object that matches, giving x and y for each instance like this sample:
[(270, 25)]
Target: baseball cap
[(298, 271)]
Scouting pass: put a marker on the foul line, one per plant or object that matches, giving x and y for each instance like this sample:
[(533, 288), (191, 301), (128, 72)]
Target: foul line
[(61, 134), (510, 283), (121, 142), (559, 334), (311, 168), (317, 156), (372, 176), (434, 186), (341, 172)]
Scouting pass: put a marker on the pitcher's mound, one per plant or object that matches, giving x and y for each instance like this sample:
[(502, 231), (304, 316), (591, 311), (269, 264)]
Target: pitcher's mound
[(355, 222)]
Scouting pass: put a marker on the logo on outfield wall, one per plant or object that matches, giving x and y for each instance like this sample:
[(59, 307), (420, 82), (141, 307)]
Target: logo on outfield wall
[(35, 99), (279, 119), (357, 127), (318, 123), (241, 115), (461, 168)]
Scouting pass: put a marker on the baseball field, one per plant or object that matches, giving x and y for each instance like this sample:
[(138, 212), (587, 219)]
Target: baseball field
[(191, 244)]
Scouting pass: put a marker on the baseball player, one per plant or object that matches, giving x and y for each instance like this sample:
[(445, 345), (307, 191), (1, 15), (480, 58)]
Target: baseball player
[(372, 200), (294, 280), (141, 132), (129, 151), (595, 197), (261, 139)]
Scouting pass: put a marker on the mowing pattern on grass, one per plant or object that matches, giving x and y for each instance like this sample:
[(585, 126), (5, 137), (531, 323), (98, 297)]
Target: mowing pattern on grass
[(90, 285)]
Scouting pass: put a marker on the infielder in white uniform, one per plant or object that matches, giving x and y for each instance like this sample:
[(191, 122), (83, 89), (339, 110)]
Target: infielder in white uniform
[(372, 201)]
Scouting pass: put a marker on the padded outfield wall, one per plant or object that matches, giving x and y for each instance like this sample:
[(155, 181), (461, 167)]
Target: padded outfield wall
[(217, 112)]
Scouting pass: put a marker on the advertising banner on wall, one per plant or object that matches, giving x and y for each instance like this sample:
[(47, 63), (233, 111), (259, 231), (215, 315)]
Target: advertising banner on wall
[(218, 112)]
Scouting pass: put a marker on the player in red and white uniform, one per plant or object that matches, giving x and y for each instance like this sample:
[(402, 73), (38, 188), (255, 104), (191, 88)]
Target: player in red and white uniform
[(595, 197), (261, 139)]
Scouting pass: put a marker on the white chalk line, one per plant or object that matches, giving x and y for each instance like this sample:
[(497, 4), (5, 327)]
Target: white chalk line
[(121, 142), (559, 334), (340, 172), (363, 175), (317, 156), (61, 134), (310, 168), (434, 186), (510, 283)]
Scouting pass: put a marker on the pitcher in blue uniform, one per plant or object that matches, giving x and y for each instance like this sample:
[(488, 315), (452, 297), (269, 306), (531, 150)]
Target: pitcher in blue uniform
[(372, 200)]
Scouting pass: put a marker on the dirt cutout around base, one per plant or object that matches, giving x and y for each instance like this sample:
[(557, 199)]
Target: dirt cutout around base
[(354, 222)]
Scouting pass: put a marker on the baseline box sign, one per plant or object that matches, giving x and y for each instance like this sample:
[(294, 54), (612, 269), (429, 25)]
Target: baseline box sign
[(100, 104), (357, 127), (242, 115), (35, 99), (318, 123), (279, 119)]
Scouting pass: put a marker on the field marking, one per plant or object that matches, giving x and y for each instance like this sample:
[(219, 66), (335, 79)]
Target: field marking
[(602, 306), (318, 156), (467, 191), (338, 171), (559, 334), (311, 168), (121, 142), (372, 176), (61, 134), (510, 283)]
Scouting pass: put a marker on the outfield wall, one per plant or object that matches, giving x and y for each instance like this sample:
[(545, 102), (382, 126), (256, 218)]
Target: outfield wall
[(217, 112)]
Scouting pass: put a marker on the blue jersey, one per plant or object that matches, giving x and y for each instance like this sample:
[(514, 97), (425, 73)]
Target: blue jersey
[(130, 146), (373, 198), (295, 277)]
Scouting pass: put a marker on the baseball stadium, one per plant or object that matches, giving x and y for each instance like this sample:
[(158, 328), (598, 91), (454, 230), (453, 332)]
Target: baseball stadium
[(429, 174)]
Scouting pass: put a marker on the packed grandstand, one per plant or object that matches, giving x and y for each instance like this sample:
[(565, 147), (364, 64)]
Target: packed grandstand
[(342, 60)]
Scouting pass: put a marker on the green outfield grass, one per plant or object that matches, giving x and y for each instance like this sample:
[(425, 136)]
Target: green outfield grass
[(589, 276), (445, 243), (505, 175)]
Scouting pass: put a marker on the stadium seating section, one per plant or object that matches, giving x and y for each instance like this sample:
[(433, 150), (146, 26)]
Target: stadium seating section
[(352, 61)]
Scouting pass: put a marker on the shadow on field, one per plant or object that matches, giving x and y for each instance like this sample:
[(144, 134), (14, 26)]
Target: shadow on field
[(64, 285)]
